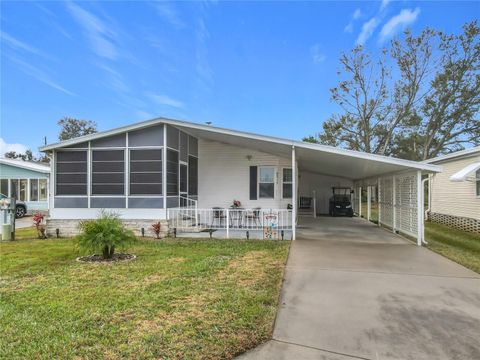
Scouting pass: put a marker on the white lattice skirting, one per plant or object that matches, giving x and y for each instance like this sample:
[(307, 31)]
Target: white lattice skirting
[(456, 222)]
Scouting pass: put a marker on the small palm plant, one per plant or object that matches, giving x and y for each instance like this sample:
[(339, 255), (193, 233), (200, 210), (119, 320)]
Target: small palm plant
[(105, 234)]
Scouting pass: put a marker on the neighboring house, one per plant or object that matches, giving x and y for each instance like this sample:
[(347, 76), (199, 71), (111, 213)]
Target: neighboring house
[(455, 192), (187, 175), (26, 181)]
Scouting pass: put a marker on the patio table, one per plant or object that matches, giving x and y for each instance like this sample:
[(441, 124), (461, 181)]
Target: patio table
[(236, 217)]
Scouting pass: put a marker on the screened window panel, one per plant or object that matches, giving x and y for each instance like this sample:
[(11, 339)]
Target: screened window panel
[(287, 175), (33, 189), (71, 173), (14, 188), (69, 156), (108, 172), (73, 189), (478, 182), (23, 190), (183, 146), (192, 175), (4, 187), (107, 189), (43, 190), (146, 172), (72, 167), (183, 178), (172, 172)]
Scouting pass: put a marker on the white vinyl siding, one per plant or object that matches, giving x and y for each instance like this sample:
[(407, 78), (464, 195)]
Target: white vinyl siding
[(224, 175), (455, 198)]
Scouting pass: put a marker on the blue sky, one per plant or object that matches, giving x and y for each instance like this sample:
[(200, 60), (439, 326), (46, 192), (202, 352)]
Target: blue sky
[(264, 67)]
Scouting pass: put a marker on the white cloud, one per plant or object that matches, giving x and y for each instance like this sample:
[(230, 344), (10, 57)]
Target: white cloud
[(165, 100), (367, 30), (384, 4), (39, 75), (168, 13), (100, 34), (398, 22), (20, 45), (357, 14), (317, 55), (5, 147)]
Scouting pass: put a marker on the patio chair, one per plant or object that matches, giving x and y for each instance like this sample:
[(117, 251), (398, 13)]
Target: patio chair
[(253, 216), (219, 216)]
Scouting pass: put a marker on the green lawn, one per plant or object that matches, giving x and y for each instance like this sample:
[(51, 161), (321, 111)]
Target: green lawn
[(459, 246), (180, 299)]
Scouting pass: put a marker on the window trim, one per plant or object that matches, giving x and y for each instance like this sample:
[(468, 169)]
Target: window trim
[(287, 182), (274, 168), (477, 181)]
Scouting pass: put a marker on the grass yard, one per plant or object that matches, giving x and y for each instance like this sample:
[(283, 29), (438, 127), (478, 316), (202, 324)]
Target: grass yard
[(459, 246), (180, 299)]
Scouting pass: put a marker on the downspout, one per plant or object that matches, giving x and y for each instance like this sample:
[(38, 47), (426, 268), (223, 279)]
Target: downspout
[(425, 215)]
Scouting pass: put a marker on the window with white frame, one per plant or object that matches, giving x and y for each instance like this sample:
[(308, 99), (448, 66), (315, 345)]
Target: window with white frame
[(4, 187), (42, 190), (33, 189), (478, 182), (287, 183), (266, 182)]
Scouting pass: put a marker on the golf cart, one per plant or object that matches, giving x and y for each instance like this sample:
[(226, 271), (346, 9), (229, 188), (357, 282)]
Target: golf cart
[(340, 202)]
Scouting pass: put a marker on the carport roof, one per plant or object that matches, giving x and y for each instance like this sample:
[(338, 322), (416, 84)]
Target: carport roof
[(322, 159)]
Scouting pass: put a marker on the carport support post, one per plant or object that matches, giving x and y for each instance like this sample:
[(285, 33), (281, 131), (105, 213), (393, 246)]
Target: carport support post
[(359, 201), (294, 194), (369, 203), (420, 225), (394, 202)]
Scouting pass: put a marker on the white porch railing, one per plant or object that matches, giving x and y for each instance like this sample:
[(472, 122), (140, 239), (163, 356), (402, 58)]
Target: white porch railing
[(190, 219)]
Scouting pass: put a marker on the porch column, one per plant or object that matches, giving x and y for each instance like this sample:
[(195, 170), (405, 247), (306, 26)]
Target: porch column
[(394, 202), (420, 225), (294, 194)]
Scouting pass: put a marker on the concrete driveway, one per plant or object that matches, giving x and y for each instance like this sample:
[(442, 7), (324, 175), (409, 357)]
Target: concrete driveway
[(353, 290)]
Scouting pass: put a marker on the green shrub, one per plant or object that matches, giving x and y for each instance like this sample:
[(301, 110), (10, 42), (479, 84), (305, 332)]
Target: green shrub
[(105, 234)]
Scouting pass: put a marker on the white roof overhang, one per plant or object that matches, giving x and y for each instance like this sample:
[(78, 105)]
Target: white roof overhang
[(43, 168), (315, 158), (465, 173)]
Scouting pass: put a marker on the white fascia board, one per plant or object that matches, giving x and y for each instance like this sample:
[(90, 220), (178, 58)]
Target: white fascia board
[(26, 165), (454, 155), (276, 140)]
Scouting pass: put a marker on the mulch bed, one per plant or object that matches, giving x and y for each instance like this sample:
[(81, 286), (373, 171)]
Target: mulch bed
[(115, 258)]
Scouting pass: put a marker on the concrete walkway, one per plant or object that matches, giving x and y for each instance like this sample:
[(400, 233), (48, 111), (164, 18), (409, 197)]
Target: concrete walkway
[(355, 291)]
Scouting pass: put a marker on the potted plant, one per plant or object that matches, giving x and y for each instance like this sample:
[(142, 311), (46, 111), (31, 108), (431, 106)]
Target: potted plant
[(236, 204)]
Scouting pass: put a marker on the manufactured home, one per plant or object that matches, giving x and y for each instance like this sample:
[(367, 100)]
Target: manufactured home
[(200, 178), (455, 192), (27, 182)]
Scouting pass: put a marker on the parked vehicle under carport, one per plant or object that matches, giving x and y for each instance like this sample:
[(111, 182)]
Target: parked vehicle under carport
[(340, 202)]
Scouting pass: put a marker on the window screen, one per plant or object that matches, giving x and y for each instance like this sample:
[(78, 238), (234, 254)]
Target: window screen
[(287, 184), (14, 188), (71, 172), (172, 172), (192, 175), (4, 187), (108, 172), (42, 190), (23, 190), (33, 189), (266, 185), (183, 178), (146, 172)]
